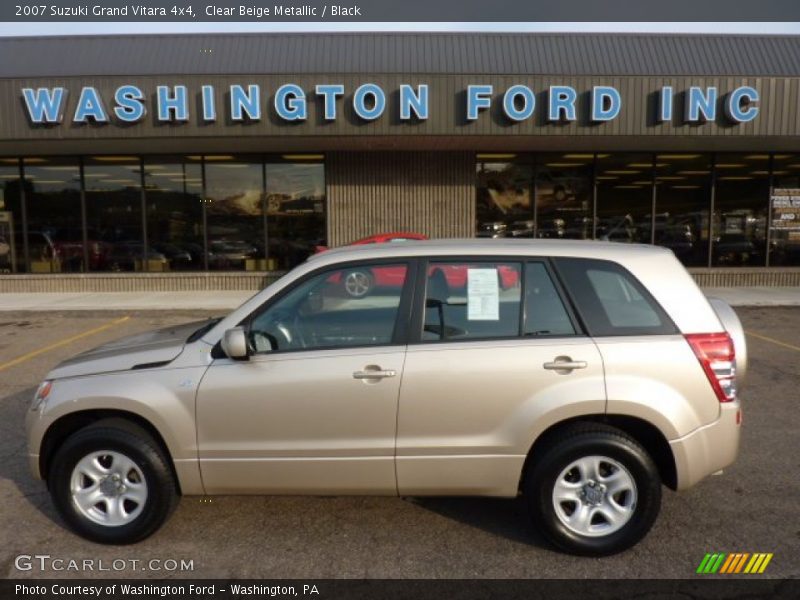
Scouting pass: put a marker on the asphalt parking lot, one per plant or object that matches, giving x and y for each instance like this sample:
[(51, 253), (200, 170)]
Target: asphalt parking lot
[(751, 508)]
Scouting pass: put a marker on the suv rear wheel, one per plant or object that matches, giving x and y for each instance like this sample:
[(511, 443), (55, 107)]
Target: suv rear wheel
[(593, 490), (112, 483)]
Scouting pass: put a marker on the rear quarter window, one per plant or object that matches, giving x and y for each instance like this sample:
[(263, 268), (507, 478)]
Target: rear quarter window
[(610, 300)]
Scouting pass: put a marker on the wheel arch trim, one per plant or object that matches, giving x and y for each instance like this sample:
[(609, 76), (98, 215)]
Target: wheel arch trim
[(186, 473), (649, 436)]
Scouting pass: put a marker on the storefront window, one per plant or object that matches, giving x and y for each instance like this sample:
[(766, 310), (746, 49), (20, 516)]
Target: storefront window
[(624, 197), (235, 213), (295, 211), (174, 208), (784, 206), (564, 196), (53, 204), (740, 210), (504, 202), (11, 249), (114, 214), (683, 197)]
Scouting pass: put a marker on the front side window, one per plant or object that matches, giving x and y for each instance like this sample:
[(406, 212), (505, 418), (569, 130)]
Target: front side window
[(465, 300), (353, 306)]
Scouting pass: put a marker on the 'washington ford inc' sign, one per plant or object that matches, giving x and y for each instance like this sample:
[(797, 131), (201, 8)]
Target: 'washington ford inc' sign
[(171, 103)]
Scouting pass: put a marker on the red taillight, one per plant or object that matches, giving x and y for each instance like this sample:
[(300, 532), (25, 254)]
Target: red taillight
[(717, 356)]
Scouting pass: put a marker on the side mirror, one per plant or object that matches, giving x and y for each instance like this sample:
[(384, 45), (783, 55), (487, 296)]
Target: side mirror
[(234, 343)]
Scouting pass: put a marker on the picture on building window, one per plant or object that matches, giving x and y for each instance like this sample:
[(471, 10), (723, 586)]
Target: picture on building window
[(563, 203), (504, 207)]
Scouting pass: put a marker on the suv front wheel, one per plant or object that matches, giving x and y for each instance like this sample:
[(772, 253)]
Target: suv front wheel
[(593, 490), (112, 483)]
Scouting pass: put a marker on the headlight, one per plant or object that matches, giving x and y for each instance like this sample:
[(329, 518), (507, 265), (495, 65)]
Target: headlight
[(42, 392)]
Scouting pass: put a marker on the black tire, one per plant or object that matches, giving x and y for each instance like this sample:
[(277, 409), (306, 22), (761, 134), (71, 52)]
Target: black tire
[(133, 442), (590, 440), (358, 283)]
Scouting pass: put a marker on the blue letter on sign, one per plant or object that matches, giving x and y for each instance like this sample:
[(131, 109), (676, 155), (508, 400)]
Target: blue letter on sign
[(329, 93), (290, 102), (734, 108), (697, 102), (245, 102), (44, 105), (90, 105), (130, 105), (360, 101), (510, 104), (209, 104), (478, 97), (562, 101), (606, 103), (178, 103), (410, 101)]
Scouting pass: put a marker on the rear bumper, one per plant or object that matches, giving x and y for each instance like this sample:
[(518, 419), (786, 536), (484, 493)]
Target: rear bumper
[(708, 449)]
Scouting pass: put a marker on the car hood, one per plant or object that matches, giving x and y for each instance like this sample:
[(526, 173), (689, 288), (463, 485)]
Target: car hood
[(135, 351)]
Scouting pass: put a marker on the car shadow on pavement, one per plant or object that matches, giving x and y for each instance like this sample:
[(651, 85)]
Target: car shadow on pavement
[(14, 454), (505, 517)]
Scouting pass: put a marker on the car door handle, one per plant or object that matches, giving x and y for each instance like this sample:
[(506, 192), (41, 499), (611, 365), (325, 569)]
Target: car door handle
[(564, 364), (374, 374)]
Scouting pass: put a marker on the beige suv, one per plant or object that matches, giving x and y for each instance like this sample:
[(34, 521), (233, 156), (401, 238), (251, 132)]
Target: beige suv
[(582, 375)]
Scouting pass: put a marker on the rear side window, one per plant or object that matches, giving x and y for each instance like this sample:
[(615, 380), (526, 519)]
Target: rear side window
[(545, 313), (610, 300), (471, 300)]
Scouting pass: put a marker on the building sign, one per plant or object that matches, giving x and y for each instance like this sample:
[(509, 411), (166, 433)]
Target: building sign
[(288, 103), (785, 207)]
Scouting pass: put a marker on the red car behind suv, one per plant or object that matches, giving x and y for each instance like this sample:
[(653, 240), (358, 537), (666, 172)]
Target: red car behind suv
[(360, 282)]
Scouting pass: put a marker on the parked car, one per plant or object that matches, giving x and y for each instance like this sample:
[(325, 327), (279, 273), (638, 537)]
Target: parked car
[(381, 238), (225, 254), (735, 249), (179, 259), (63, 249), (492, 229), (124, 256), (523, 229), (605, 374)]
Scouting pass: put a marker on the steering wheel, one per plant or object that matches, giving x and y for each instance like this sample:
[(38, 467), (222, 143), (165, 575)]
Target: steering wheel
[(285, 329), (274, 335), (262, 342)]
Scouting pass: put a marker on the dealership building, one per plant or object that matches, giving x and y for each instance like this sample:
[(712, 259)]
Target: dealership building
[(218, 161)]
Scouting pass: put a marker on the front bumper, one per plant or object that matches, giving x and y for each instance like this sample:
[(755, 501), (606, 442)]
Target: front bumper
[(708, 449)]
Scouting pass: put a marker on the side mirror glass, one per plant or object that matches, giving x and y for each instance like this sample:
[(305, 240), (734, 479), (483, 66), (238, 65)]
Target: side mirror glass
[(234, 343)]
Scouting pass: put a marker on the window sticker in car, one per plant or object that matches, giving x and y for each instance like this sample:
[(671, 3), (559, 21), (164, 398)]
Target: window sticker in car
[(483, 295)]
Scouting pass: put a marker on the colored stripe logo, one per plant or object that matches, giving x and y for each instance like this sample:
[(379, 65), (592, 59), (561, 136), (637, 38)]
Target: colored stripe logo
[(734, 562)]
